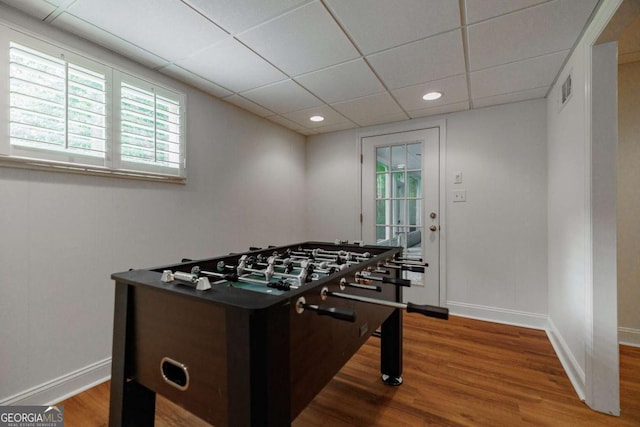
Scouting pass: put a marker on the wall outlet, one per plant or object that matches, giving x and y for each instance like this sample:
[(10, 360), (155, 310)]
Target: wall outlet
[(460, 195)]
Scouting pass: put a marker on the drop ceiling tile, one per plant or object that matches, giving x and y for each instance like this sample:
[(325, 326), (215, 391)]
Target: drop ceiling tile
[(507, 98), (248, 105), (352, 79), (379, 120), (239, 15), (422, 61), (375, 25), (454, 89), (85, 30), (195, 80), (362, 110), (440, 109), (536, 31), (37, 8), (286, 123), (303, 40), (517, 76), (336, 128), (331, 117), (232, 65), (282, 97), (479, 10), (167, 28)]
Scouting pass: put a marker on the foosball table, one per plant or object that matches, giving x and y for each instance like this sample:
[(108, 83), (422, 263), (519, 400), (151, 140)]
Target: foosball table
[(249, 339)]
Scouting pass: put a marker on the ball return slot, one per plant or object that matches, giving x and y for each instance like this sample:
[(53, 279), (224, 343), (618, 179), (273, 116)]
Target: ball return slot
[(426, 310), (335, 312)]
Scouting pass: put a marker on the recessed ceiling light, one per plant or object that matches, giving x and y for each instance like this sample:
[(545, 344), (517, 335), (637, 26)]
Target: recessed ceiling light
[(316, 118), (432, 96)]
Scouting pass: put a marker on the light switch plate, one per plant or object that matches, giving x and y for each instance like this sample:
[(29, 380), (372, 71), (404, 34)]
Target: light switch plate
[(458, 178), (459, 195)]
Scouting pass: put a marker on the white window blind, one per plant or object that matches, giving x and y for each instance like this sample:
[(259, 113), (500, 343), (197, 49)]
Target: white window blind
[(150, 130), (65, 111), (56, 105)]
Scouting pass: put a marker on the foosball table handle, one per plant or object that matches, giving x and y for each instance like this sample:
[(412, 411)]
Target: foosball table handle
[(337, 313), (413, 268), (428, 310), (396, 282)]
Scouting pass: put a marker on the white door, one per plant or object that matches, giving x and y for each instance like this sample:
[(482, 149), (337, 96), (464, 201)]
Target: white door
[(400, 203)]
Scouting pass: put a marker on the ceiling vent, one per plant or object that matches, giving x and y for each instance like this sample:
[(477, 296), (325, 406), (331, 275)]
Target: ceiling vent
[(566, 90)]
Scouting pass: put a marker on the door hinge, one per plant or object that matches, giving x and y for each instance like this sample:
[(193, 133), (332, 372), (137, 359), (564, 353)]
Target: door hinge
[(360, 217), (361, 158)]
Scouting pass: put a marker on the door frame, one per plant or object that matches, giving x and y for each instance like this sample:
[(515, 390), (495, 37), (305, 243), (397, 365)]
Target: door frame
[(442, 197)]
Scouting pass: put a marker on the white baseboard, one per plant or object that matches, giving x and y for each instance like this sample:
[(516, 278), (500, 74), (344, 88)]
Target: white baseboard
[(569, 363), (629, 336), (498, 315), (63, 387)]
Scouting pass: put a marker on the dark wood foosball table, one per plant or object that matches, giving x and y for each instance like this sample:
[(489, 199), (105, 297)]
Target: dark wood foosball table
[(249, 339)]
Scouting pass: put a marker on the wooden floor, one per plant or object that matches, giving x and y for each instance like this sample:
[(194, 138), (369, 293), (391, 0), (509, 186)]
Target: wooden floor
[(457, 373)]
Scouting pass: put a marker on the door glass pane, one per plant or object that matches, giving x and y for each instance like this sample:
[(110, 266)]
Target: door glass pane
[(414, 183), (414, 212), (398, 187), (383, 159), (414, 156), (383, 212), (383, 185), (398, 212), (387, 236), (398, 157)]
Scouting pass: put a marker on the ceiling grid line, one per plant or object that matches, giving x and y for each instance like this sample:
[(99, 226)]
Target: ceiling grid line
[(363, 57), (465, 47)]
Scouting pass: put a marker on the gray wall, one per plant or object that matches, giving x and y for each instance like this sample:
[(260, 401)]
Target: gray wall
[(582, 249), (496, 241), (63, 235)]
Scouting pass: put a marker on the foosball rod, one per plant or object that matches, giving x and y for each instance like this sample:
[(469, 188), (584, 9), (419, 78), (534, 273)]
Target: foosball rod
[(426, 310), (344, 283), (335, 312), (404, 267), (232, 277), (338, 253), (390, 280), (347, 256), (407, 262)]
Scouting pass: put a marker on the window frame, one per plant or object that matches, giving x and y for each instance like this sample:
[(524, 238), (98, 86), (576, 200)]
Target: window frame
[(53, 160)]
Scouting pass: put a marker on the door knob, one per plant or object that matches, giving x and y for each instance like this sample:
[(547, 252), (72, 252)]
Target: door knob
[(433, 228)]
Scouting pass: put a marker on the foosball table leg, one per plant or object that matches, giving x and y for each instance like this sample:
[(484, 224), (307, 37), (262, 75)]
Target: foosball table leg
[(391, 349), (131, 404)]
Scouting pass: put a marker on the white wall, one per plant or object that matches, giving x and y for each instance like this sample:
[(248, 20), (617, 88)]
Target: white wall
[(582, 248), (629, 202), (63, 235), (567, 219), (496, 241)]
